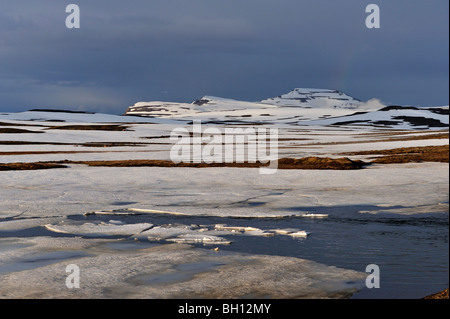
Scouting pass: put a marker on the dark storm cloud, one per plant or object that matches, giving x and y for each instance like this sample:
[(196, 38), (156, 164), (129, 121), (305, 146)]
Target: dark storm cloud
[(177, 50)]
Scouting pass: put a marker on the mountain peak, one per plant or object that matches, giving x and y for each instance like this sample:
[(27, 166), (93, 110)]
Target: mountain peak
[(211, 99), (314, 98)]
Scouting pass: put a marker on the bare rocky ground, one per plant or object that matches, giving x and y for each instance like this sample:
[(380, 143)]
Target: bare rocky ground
[(440, 295)]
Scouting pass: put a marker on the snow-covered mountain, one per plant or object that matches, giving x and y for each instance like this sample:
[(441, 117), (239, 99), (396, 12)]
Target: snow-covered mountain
[(325, 102), (206, 104), (315, 98), (299, 107), (306, 98)]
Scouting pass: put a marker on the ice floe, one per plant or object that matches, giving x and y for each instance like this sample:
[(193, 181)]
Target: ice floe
[(182, 234), (179, 233), (25, 223), (312, 215), (199, 238), (235, 228), (111, 228), (300, 233), (253, 231), (291, 232), (164, 271)]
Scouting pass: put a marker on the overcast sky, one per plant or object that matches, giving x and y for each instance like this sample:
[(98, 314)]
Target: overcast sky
[(180, 50)]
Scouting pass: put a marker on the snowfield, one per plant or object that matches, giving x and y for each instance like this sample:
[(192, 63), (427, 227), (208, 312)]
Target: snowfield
[(223, 232)]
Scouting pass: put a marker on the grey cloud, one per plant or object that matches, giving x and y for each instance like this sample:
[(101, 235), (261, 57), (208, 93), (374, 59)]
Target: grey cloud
[(251, 49)]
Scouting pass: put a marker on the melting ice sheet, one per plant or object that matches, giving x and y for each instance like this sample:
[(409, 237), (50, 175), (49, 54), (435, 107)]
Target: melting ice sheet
[(166, 271), (39, 235), (217, 191)]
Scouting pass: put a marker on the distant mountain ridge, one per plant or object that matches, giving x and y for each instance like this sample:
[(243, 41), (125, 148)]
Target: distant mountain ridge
[(299, 97), (315, 98), (301, 106)]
